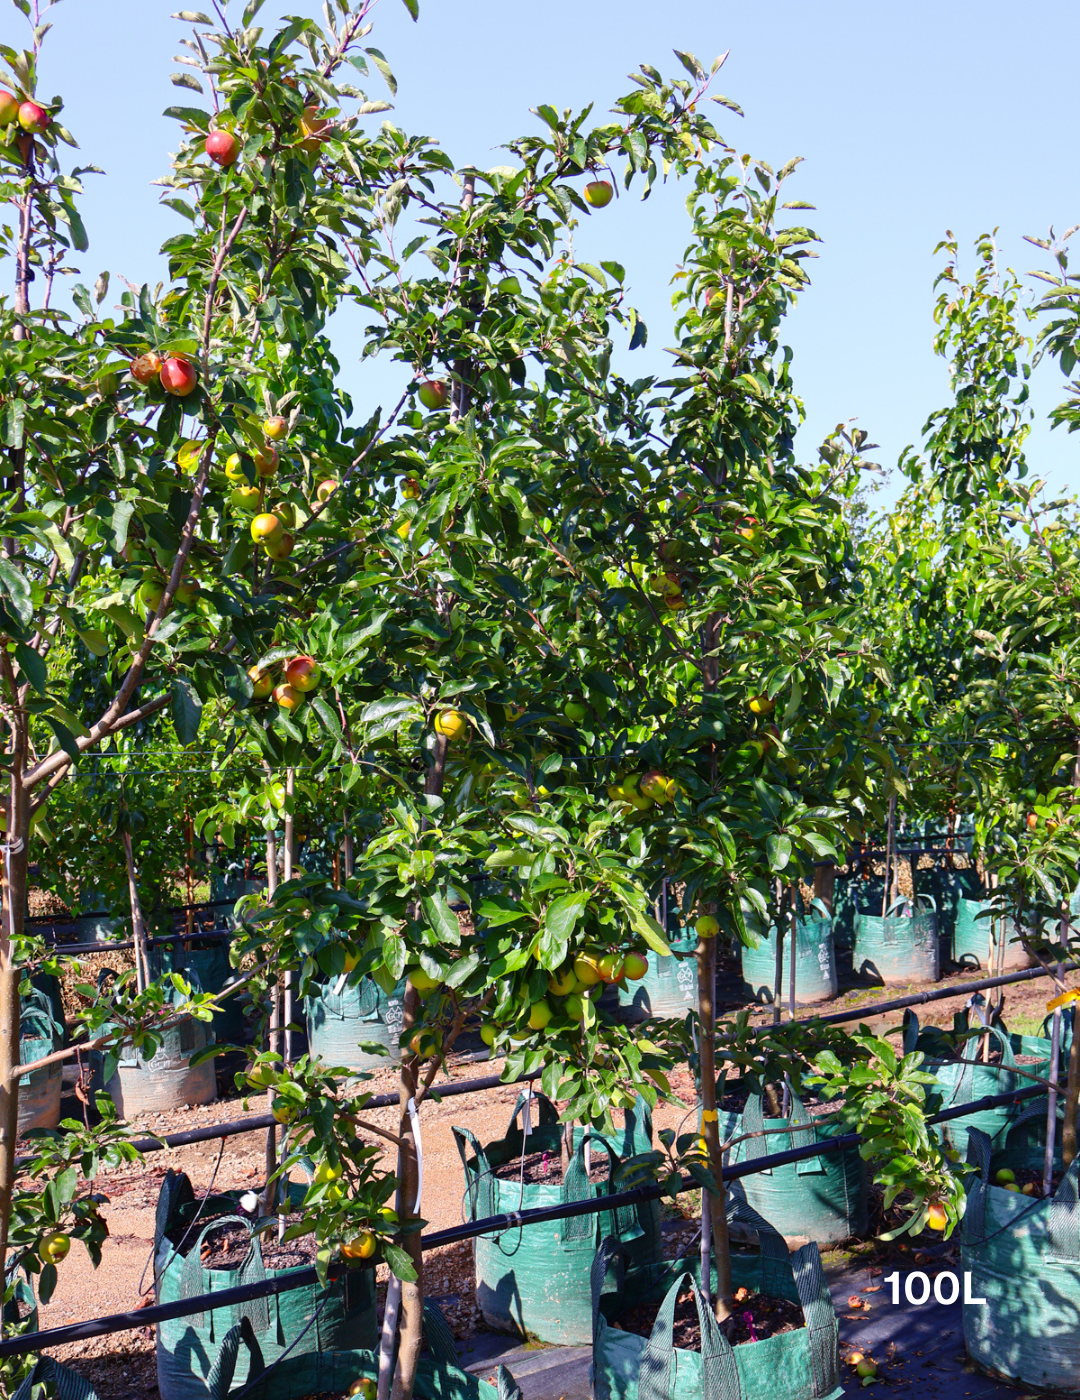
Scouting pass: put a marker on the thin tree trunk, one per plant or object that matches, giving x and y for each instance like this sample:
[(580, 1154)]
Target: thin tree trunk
[(411, 1323), (16, 858), (1052, 1096), (778, 976), (142, 951), (348, 847), (825, 885), (288, 856), (710, 1125), (272, 1036), (189, 861), (1072, 1100)]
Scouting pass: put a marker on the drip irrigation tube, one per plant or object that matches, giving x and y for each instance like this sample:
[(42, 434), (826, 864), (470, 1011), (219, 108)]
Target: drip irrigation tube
[(108, 946), (304, 1278)]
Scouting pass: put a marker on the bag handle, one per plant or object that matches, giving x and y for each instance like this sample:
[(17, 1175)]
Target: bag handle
[(256, 1310), (820, 1316), (978, 1156), (576, 1186), (478, 1179), (220, 1378), (720, 1377), (548, 1113), (1008, 1058), (752, 1120), (612, 1257)]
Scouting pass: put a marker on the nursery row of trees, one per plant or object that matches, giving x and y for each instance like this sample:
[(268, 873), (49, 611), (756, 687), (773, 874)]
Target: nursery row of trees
[(562, 633)]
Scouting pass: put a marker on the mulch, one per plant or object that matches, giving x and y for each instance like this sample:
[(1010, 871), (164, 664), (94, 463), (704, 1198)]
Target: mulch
[(755, 1317)]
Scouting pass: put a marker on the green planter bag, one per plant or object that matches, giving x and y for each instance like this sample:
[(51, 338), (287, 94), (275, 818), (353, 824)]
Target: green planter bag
[(972, 946), (822, 1199), (1024, 1260), (338, 1022), (306, 1326), (815, 961), (210, 969), (949, 887), (965, 1080), (901, 947), (39, 1035), (669, 988), (533, 1280), (65, 1384), (799, 1365)]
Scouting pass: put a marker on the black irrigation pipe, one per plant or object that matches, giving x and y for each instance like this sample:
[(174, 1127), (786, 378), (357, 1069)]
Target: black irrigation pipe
[(939, 994), (304, 1278)]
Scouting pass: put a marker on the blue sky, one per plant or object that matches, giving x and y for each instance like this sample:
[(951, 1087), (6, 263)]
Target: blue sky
[(912, 119)]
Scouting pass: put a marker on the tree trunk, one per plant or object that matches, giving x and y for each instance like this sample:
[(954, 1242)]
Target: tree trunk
[(288, 856), (825, 885), (138, 925), (710, 1125), (411, 1324), (1072, 1099), (1052, 1095), (272, 1036), (16, 858)]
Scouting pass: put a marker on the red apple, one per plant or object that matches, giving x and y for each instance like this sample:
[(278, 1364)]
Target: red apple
[(598, 193), (325, 490), (287, 698), (178, 377), (33, 118), (145, 368), (265, 459), (9, 108), (303, 673), (222, 147), (275, 428), (262, 683), (434, 394)]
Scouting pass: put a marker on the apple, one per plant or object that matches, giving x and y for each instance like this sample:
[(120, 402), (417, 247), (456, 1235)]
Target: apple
[(275, 428), (452, 724), (9, 107), (222, 147), (434, 394), (411, 488), (286, 698), (283, 1110), (655, 785), (761, 705), (635, 966), (561, 984), (1012, 1186), (303, 673), (1028, 1189), (286, 513), (151, 592), (586, 970), (312, 129), (1032, 821), (539, 1015), (598, 193), (262, 683), (363, 1247), (178, 377), (936, 1218), (708, 926), (487, 1034), (610, 967), (188, 591), (146, 368), (245, 498), (1004, 1174), (280, 549), (674, 602), (261, 1076), (575, 711), (325, 490), (574, 1006), (266, 459), (54, 1247), (365, 1388), (422, 982), (190, 454), (866, 1367), (265, 527), (33, 118)]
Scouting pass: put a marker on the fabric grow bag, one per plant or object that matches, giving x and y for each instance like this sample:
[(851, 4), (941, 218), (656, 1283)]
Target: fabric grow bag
[(902, 946), (1024, 1260), (168, 1080), (966, 1079), (815, 961), (195, 1352), (339, 1021), (39, 1035), (533, 1280), (949, 887), (669, 988), (66, 1385), (799, 1365), (209, 969), (971, 941), (822, 1199)]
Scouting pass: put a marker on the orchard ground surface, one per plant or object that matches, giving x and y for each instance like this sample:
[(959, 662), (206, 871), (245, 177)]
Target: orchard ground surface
[(915, 1347)]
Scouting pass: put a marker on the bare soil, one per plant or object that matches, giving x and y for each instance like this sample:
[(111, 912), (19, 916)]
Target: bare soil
[(546, 1169), (755, 1317)]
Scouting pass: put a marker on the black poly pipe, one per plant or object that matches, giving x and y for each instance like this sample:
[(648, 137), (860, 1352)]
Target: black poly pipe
[(303, 1278)]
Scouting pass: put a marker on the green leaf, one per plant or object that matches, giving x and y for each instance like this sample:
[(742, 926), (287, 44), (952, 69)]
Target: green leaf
[(330, 721), (441, 919), (398, 1261), (46, 1283), (462, 970), (650, 931), (17, 590), (64, 736), (384, 68), (186, 710), (185, 80), (563, 914), (32, 666), (413, 8)]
